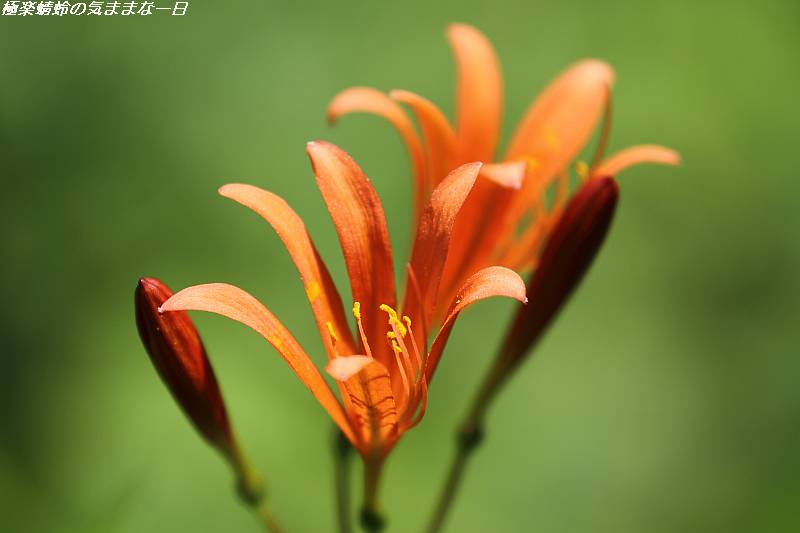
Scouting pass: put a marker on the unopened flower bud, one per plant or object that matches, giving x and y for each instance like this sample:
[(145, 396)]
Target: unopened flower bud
[(178, 355), (568, 253)]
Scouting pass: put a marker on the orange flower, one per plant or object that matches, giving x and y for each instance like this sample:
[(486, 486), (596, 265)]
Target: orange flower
[(506, 218), (383, 371)]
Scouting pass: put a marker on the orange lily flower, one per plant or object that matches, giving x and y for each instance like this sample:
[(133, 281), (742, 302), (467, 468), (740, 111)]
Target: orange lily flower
[(506, 219), (384, 369)]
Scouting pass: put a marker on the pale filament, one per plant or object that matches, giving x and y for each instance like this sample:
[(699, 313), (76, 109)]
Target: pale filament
[(357, 316), (405, 360)]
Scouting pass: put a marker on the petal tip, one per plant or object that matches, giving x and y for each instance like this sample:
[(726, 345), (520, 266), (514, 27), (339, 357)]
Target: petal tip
[(152, 290), (674, 158), (226, 189), (149, 282), (597, 69), (168, 305), (455, 28), (317, 147), (400, 95)]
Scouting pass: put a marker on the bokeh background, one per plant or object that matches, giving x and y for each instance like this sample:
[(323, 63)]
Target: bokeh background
[(665, 398)]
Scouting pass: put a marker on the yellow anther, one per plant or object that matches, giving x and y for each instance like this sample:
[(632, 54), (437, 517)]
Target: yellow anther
[(396, 347), (331, 332), (582, 168), (407, 321), (394, 320), (391, 312), (391, 335), (357, 310)]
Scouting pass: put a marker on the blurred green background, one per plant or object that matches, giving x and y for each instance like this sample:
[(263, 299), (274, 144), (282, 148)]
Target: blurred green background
[(665, 398)]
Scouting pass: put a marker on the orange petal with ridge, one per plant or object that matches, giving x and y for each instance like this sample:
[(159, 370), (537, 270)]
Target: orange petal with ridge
[(479, 93), (561, 119), (552, 133), (440, 139), (491, 281), (373, 101), (432, 242), (360, 223), (321, 292), (238, 305), (480, 225)]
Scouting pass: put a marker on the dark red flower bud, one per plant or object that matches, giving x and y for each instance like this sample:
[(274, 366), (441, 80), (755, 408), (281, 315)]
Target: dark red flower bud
[(567, 255), (178, 354)]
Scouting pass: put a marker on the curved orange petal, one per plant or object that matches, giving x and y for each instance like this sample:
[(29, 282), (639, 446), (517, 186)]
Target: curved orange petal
[(432, 242), (369, 100), (491, 281), (440, 139), (554, 130), (480, 225), (562, 118), (360, 223), (480, 93), (636, 155), (236, 304), (325, 301), (369, 387)]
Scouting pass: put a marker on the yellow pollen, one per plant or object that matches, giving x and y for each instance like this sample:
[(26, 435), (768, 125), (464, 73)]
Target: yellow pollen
[(357, 310), (331, 332), (407, 321), (312, 291), (394, 320), (391, 335), (582, 168), (388, 310)]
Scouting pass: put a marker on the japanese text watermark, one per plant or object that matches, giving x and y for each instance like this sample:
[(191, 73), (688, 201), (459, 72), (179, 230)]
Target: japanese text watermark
[(100, 9)]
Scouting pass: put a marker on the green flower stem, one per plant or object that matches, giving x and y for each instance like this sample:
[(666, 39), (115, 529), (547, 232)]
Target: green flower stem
[(251, 490), (468, 438), (342, 451), (372, 518)]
